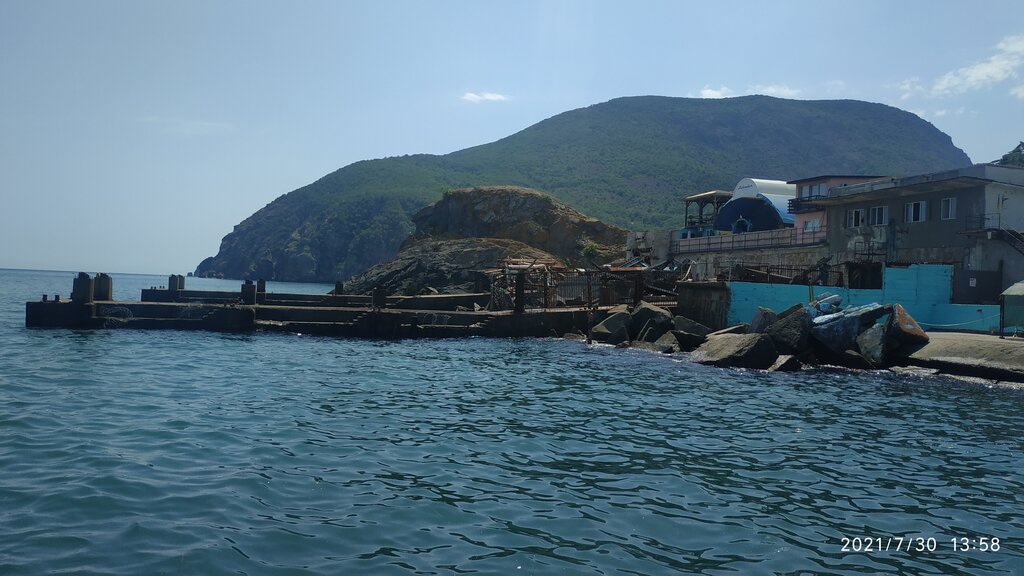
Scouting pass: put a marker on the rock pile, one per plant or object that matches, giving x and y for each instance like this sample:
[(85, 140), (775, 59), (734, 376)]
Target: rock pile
[(868, 336)]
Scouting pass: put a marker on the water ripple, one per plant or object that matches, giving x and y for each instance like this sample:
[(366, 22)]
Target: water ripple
[(128, 452)]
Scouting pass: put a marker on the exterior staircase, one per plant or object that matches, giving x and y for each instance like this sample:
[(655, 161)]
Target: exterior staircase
[(1013, 238)]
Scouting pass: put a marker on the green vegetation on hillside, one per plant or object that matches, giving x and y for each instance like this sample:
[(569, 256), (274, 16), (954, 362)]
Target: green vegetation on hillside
[(628, 162), (1014, 157)]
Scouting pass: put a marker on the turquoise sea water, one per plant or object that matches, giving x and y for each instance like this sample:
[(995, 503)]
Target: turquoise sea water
[(162, 452)]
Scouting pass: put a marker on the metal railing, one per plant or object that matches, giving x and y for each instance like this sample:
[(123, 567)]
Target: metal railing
[(782, 238), (805, 203), (980, 222), (540, 289)]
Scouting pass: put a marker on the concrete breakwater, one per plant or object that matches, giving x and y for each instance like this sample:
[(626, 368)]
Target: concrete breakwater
[(253, 309)]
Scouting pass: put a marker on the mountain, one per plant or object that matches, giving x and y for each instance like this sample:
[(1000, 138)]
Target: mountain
[(627, 162)]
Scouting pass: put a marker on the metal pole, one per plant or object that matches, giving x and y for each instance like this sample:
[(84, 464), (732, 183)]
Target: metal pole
[(520, 304)]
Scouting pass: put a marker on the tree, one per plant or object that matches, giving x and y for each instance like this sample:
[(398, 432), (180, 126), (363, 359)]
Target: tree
[(1014, 157)]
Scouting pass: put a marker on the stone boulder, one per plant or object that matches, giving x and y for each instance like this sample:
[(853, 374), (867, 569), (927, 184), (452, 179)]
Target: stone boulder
[(737, 351), (791, 333), (669, 340), (872, 344), (737, 329), (692, 326), (763, 317), (688, 342), (667, 344), (838, 332), (904, 329), (786, 363), (649, 322), (612, 330)]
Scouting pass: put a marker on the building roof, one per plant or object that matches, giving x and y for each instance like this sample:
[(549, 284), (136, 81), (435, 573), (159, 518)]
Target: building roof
[(948, 181), (709, 195), (1014, 290), (831, 176), (755, 186)]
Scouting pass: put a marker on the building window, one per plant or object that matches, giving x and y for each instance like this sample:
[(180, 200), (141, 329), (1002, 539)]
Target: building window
[(813, 190), (948, 208), (855, 218), (915, 211), (812, 225), (878, 216)]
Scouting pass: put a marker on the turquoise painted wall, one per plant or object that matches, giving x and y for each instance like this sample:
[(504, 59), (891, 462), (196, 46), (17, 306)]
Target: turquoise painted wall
[(925, 290)]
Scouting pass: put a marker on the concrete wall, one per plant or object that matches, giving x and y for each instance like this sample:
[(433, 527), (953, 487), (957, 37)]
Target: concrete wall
[(705, 302), (925, 290)]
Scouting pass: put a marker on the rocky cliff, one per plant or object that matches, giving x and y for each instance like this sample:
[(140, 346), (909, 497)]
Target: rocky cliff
[(520, 214), (472, 229)]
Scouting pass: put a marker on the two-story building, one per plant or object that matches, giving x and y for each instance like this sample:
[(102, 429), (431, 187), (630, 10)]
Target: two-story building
[(809, 218), (969, 217)]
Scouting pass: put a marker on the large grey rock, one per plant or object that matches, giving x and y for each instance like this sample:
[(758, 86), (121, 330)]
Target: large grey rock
[(786, 363), (737, 329), (763, 317), (737, 351), (612, 330), (647, 316), (791, 332), (669, 339), (687, 341), (872, 344), (853, 359), (692, 326), (839, 334), (667, 344)]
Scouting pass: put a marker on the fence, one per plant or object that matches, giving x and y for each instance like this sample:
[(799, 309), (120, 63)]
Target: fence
[(821, 275), (782, 238), (541, 288)]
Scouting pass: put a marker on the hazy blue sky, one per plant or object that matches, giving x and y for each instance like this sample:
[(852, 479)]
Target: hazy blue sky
[(135, 134)]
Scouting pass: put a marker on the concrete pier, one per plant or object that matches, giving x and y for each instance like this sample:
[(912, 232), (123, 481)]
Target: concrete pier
[(249, 309)]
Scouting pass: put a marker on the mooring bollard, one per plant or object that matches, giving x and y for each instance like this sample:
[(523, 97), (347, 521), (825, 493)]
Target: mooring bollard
[(249, 293), (104, 287), (82, 289)]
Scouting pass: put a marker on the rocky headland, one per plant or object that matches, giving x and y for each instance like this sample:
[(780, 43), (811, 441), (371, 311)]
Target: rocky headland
[(472, 229)]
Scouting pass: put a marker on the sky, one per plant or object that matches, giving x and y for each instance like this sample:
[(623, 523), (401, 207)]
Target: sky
[(135, 134)]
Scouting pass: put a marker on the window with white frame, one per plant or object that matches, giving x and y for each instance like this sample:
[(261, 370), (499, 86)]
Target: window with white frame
[(878, 216), (812, 225), (948, 209), (855, 218), (915, 211)]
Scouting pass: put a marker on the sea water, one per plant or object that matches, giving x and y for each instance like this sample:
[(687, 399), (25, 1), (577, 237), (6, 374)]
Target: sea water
[(165, 452)]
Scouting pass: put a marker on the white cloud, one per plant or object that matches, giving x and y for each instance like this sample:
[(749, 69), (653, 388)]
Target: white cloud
[(909, 87), (1018, 91), (483, 97), (780, 90), (720, 92), (835, 87), (1000, 66), (184, 126)]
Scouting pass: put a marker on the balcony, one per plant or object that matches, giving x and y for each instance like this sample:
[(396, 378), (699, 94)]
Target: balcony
[(803, 204)]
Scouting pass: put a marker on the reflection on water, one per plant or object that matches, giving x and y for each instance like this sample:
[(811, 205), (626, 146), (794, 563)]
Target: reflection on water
[(131, 452)]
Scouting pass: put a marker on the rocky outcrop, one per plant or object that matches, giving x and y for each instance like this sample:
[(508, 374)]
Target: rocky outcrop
[(520, 214), (473, 229), (445, 266)]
